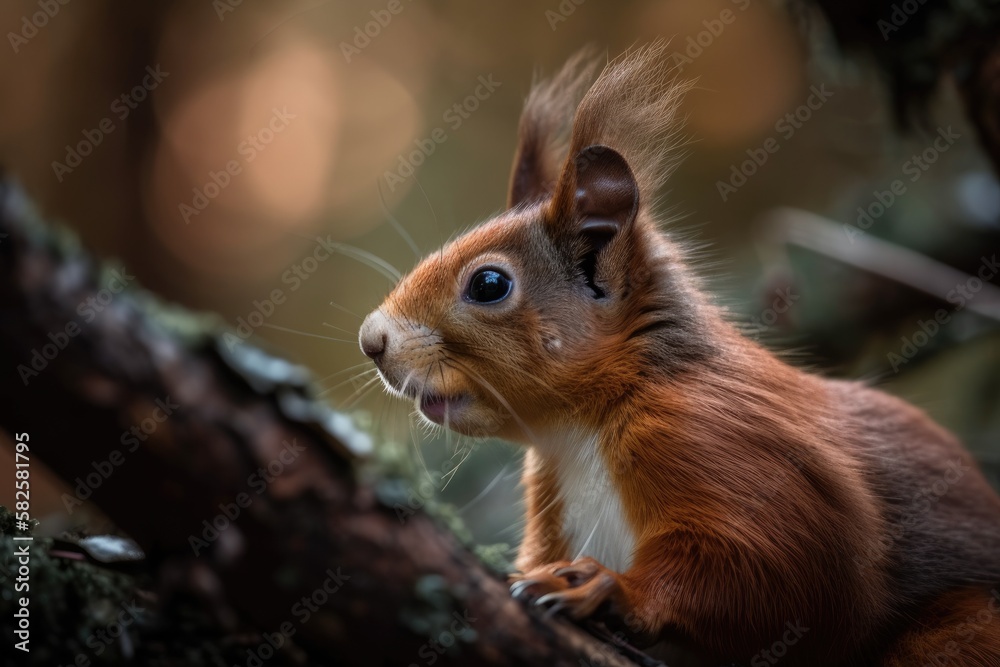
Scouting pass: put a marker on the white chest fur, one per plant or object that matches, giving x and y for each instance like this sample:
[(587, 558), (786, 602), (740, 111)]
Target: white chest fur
[(593, 520)]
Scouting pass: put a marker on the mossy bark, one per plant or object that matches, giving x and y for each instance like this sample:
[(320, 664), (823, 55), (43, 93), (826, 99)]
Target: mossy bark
[(248, 500)]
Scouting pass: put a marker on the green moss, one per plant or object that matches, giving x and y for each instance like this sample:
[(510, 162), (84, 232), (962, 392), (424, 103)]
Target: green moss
[(437, 613), (81, 613), (494, 556), (69, 600), (405, 490)]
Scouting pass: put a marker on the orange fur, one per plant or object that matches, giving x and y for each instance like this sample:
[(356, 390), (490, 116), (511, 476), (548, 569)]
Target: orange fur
[(748, 495), (961, 630), (543, 542)]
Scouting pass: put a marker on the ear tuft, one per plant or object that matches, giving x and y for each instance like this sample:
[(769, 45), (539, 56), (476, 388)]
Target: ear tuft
[(543, 133), (634, 106)]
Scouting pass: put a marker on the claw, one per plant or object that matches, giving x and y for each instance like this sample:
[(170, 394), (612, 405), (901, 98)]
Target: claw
[(554, 610), (517, 588), (576, 589), (578, 572), (583, 565), (547, 598)]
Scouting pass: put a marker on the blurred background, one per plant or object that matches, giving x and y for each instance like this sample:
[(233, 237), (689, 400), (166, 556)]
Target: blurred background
[(212, 147)]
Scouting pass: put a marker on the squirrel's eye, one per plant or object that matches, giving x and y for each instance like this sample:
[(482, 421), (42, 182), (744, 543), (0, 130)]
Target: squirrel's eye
[(488, 286)]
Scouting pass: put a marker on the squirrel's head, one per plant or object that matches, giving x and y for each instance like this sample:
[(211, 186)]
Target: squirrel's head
[(550, 311)]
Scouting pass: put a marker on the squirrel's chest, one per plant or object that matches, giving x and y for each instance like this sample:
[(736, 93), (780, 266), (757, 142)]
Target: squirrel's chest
[(593, 520)]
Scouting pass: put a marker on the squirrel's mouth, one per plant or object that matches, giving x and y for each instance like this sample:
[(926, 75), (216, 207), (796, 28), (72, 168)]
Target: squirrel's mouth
[(440, 408)]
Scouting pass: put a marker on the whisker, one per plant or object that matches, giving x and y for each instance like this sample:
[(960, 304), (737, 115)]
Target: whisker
[(383, 431), (342, 371), (458, 348), (360, 394), (394, 222), (437, 224), (549, 506), (413, 436), (341, 308), (511, 367), (416, 441), (370, 260), (367, 258), (423, 384), (368, 392), (503, 401), (346, 331), (306, 333), (513, 529), (447, 421), (451, 473), (482, 494), (586, 543), (406, 382), (353, 378)]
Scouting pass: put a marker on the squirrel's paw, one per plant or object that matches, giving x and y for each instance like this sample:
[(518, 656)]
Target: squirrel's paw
[(577, 589)]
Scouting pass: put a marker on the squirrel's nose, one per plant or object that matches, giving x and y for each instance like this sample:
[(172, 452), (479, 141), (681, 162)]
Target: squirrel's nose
[(374, 336)]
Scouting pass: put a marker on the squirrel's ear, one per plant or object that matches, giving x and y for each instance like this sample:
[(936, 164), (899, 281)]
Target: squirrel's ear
[(606, 193), (597, 199), (597, 195)]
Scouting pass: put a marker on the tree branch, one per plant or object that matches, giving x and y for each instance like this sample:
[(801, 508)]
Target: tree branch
[(246, 449)]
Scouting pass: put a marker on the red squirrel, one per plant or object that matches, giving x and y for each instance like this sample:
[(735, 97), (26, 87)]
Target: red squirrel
[(678, 476)]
